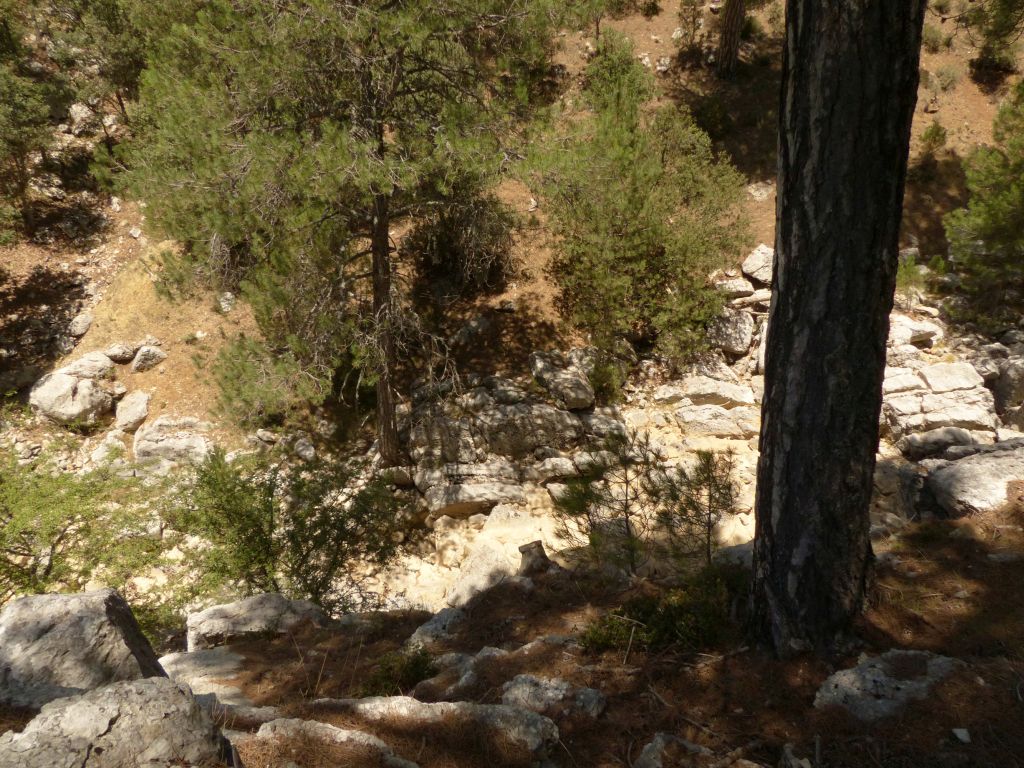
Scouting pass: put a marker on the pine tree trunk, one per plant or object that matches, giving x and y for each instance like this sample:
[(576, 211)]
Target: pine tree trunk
[(729, 36), (850, 76), (380, 245)]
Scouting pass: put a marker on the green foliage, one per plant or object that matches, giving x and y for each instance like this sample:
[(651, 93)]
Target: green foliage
[(995, 27), (59, 530), (695, 616), (933, 138), (934, 39), (590, 13), (695, 499), (987, 237), (396, 674), (24, 115), (909, 280), (607, 378), (302, 530), (691, 15), (260, 387), (272, 145), (752, 28), (468, 243), (947, 77), (941, 7), (644, 211)]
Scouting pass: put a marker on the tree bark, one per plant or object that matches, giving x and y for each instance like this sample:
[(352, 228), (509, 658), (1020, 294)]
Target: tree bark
[(729, 36), (380, 246), (850, 76)]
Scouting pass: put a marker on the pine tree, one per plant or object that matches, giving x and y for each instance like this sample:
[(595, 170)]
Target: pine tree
[(283, 139)]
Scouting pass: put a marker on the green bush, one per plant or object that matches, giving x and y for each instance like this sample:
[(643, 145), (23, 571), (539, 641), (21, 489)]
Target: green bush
[(258, 387), (60, 530), (396, 674), (699, 615), (303, 530), (909, 279), (644, 210), (934, 39), (694, 501), (933, 138), (947, 77), (987, 237)]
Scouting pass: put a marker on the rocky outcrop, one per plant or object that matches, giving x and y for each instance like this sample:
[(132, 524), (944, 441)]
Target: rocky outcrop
[(758, 265), (148, 356), (552, 696), (935, 397), (370, 749), (171, 440), (93, 365), (881, 686), (732, 332), (154, 723), (567, 382), (131, 411), (260, 615), (60, 645)]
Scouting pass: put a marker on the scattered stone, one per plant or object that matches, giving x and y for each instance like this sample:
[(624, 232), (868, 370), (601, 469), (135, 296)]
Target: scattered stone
[(312, 731), (921, 334), (735, 287), (81, 119), (933, 442), (732, 332), (436, 628), (962, 735), (736, 423), (666, 747), (93, 365), (135, 232), (147, 357), (226, 302), (121, 352), (154, 723), (80, 324), (67, 399), (978, 483), (702, 390), (61, 645), (132, 411), (758, 265), (882, 685), (267, 614), (541, 694), (208, 673), (304, 449), (760, 191)]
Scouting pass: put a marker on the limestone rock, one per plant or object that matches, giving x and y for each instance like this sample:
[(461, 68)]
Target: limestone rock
[(978, 483), (735, 287), (436, 628), (148, 357), (61, 645), (525, 730), (933, 442), (80, 324), (739, 423), (542, 694), (920, 334), (702, 390), (270, 613), (67, 399), (132, 410), (880, 686), (121, 352), (154, 723), (208, 672), (758, 265), (1009, 386), (949, 377), (81, 119), (172, 440), (518, 430), (566, 382), (93, 365), (312, 731), (732, 332), (465, 499)]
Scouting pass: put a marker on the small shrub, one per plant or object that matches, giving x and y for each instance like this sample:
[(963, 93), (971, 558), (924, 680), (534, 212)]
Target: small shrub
[(701, 614), (691, 14), (299, 530), (650, 8), (934, 39), (909, 280), (10, 222), (947, 77), (695, 500), (614, 73), (396, 674), (933, 139), (607, 379)]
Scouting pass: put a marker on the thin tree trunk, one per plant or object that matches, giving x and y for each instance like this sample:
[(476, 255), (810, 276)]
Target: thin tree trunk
[(729, 36), (850, 76), (380, 245)]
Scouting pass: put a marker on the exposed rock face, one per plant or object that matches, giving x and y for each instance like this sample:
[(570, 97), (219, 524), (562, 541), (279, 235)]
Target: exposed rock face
[(921, 334), (526, 730), (978, 483), (61, 645), (131, 411), (518, 430), (66, 399), (148, 357), (270, 613), (208, 672), (153, 723), (703, 390), (436, 628), (934, 397), (566, 382), (882, 685), (737, 423), (465, 499), (172, 440), (758, 265)]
